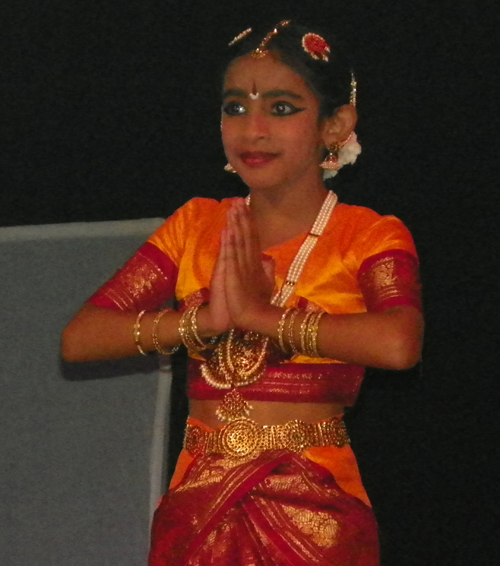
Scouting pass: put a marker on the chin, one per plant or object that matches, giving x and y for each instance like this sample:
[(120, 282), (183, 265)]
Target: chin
[(263, 184), (261, 178)]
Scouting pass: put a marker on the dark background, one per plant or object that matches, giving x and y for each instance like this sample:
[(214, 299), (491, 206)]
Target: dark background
[(110, 110)]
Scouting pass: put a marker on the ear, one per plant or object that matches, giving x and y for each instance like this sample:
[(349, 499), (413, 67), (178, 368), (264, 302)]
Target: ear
[(340, 126)]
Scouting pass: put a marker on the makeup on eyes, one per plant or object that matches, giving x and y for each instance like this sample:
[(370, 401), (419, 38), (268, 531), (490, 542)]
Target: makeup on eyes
[(280, 108)]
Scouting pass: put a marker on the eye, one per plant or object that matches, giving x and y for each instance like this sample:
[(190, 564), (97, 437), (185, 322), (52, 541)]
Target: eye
[(233, 108), (285, 109)]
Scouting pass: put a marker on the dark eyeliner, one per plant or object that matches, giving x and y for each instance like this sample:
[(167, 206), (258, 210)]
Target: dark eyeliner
[(231, 108), (291, 109)]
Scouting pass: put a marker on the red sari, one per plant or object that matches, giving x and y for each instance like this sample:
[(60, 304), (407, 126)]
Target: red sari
[(277, 509), (280, 508)]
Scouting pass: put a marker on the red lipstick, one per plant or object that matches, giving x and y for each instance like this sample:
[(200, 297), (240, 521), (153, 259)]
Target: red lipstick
[(257, 158)]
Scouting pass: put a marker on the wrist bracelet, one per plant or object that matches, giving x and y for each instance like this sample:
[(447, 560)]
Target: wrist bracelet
[(290, 331), (281, 329), (312, 335), (154, 333), (304, 331), (137, 333), (188, 330)]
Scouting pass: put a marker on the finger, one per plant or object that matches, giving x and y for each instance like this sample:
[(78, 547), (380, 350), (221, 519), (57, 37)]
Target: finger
[(252, 244), (220, 261), (269, 266), (238, 240), (228, 245)]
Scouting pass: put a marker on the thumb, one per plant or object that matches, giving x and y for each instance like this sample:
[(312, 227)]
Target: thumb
[(268, 265)]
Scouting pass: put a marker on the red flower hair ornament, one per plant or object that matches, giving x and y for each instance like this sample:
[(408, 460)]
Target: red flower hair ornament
[(315, 46)]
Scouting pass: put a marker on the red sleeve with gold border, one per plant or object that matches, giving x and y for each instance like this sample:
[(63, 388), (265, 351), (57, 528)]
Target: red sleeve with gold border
[(145, 282), (149, 278), (389, 279)]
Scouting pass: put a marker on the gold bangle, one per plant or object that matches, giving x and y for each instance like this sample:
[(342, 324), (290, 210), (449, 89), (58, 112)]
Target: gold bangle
[(312, 335), (184, 330), (183, 333), (154, 333), (303, 331), (308, 334), (290, 331), (188, 330), (281, 328), (194, 330), (137, 333)]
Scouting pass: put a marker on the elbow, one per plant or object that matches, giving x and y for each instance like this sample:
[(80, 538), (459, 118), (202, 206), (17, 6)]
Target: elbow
[(403, 344), (404, 354)]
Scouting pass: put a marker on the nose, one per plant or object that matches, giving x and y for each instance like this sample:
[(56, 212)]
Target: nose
[(257, 125)]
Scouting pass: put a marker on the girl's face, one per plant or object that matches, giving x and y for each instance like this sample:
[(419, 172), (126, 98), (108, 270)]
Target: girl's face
[(270, 127)]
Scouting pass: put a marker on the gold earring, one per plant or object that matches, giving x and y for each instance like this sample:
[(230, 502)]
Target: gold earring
[(229, 168), (331, 161)]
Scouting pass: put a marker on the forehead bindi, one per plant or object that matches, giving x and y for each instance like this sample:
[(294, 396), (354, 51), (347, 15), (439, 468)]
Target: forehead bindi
[(265, 76)]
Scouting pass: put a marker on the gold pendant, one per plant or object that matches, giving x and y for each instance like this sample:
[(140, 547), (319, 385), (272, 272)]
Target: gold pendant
[(238, 360), (233, 407)]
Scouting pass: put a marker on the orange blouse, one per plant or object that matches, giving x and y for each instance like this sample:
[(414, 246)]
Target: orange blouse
[(362, 262)]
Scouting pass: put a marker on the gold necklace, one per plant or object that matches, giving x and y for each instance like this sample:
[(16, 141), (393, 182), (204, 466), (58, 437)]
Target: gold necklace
[(240, 357)]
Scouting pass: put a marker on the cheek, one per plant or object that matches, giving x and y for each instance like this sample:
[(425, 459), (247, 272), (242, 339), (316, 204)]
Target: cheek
[(227, 135), (305, 138)]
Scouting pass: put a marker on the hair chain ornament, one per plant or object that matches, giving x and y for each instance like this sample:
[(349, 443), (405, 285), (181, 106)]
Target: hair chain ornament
[(354, 90), (239, 37), (262, 51), (240, 357), (346, 152)]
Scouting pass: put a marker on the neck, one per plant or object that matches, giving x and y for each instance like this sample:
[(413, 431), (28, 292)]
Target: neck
[(280, 215)]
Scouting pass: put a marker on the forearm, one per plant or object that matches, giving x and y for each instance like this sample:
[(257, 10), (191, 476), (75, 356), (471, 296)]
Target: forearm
[(391, 339), (98, 333)]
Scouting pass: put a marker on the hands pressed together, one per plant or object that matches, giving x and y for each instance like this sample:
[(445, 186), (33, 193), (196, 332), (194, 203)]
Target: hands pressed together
[(243, 281)]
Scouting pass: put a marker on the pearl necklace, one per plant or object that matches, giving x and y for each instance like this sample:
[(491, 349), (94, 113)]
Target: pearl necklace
[(225, 370), (299, 261)]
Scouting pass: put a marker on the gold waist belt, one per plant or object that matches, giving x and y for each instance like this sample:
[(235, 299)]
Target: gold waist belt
[(245, 437)]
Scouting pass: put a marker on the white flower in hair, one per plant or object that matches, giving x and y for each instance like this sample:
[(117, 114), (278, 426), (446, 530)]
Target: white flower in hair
[(350, 151)]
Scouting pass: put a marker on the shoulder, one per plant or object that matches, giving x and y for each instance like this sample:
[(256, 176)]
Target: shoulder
[(199, 206), (370, 232), (197, 216), (198, 209), (360, 218), (362, 215)]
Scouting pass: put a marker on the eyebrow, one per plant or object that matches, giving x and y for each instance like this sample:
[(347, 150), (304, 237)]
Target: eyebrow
[(277, 93), (270, 94)]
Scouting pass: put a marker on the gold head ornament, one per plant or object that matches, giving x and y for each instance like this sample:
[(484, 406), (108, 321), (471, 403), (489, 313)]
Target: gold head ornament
[(262, 51), (240, 36), (354, 90)]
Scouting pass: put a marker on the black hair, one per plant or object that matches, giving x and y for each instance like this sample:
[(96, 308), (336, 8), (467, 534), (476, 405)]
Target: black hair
[(330, 81)]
